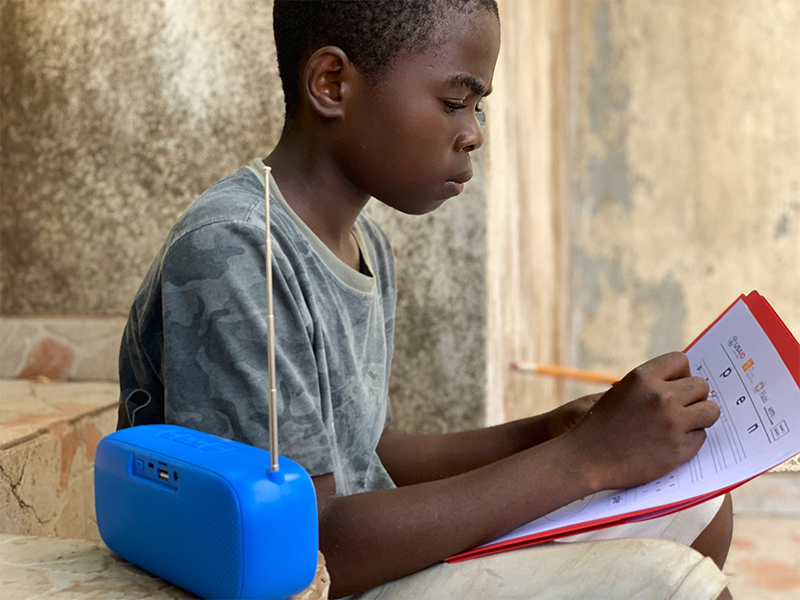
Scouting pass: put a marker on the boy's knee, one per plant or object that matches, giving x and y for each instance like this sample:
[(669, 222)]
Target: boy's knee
[(715, 540), (653, 568)]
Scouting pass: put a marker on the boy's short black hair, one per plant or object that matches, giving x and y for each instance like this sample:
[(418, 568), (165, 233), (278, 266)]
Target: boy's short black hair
[(373, 33)]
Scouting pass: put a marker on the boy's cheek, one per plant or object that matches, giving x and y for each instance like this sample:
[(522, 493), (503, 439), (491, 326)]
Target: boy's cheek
[(410, 127)]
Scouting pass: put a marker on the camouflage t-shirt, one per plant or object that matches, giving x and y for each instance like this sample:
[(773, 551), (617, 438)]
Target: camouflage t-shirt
[(194, 350)]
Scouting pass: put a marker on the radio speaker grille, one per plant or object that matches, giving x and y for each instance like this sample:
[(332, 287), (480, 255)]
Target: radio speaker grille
[(204, 534)]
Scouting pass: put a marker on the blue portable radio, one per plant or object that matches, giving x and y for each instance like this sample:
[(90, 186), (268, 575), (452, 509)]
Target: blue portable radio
[(218, 518), (206, 514)]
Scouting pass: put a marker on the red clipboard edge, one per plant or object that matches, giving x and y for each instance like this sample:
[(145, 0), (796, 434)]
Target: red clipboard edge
[(553, 534), (778, 333)]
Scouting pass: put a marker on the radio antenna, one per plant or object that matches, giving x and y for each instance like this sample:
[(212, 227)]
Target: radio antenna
[(272, 400)]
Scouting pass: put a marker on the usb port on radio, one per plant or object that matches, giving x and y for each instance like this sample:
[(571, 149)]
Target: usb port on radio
[(163, 474)]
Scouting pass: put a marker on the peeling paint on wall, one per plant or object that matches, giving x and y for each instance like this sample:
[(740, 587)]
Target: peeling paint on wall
[(605, 96), (686, 190)]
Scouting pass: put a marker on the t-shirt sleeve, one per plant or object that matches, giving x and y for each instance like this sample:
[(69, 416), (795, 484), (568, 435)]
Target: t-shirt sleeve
[(214, 364)]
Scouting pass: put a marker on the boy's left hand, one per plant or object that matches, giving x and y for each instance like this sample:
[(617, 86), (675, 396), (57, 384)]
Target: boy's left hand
[(560, 420)]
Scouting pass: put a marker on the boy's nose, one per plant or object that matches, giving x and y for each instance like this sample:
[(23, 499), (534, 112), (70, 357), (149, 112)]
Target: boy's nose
[(471, 138)]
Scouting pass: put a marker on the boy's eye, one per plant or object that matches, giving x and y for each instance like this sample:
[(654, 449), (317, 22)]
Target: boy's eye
[(480, 115), (453, 106)]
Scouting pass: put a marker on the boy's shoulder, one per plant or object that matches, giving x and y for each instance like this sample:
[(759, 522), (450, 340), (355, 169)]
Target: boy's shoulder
[(238, 198), (234, 198), (222, 231)]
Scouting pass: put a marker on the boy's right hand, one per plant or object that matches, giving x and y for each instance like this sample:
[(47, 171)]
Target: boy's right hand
[(647, 424)]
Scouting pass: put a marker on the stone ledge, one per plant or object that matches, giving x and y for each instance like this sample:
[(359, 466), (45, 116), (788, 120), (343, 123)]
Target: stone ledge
[(48, 437), (73, 348), (82, 570), (30, 408)]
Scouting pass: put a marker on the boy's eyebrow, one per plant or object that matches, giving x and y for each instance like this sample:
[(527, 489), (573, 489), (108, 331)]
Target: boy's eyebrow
[(464, 80)]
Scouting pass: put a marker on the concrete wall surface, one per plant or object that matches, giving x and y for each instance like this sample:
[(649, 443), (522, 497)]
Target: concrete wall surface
[(685, 158), (528, 208), (116, 115), (641, 171)]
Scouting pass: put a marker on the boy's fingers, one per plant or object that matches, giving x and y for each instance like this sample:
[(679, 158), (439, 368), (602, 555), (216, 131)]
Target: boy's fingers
[(668, 367), (692, 389), (701, 415), (695, 440)]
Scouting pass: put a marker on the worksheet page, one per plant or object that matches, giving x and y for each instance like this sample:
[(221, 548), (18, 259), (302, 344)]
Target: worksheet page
[(759, 428)]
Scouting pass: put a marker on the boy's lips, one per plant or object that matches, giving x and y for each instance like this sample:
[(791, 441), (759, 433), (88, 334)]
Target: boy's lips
[(456, 184), (462, 177), (454, 187)]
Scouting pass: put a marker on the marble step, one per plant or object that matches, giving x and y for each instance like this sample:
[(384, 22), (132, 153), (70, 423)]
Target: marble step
[(48, 436), (70, 569)]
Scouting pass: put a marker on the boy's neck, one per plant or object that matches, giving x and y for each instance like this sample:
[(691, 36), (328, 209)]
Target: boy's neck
[(317, 191)]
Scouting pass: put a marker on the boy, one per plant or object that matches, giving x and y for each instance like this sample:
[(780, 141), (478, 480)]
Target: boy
[(383, 99)]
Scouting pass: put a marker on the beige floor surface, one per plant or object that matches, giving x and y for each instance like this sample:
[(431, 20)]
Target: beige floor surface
[(764, 560)]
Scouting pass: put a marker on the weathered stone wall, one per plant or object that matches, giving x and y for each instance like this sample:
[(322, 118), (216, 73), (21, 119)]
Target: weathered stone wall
[(641, 172), (685, 160), (116, 115)]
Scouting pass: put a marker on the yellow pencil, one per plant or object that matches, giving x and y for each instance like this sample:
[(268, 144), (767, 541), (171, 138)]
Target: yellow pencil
[(567, 372)]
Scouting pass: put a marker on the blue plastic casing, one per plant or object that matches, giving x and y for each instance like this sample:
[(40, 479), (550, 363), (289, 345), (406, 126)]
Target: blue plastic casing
[(206, 513)]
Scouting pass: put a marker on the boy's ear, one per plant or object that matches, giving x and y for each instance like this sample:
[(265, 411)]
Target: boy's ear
[(327, 81)]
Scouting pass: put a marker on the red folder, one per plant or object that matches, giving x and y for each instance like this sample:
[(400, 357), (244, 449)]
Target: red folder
[(788, 349), (777, 331)]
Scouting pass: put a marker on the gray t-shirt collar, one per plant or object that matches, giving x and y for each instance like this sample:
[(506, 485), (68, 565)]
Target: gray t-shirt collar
[(346, 274)]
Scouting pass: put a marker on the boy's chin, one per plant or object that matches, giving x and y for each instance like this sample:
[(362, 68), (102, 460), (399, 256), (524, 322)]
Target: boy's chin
[(414, 208), (415, 204)]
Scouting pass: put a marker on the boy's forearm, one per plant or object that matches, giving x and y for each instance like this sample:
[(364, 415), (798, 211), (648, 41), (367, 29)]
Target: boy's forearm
[(375, 537), (412, 459)]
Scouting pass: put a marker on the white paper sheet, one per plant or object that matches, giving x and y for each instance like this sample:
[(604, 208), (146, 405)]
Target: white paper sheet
[(759, 428)]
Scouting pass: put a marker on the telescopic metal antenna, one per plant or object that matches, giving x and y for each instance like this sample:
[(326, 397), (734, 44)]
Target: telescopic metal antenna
[(273, 389)]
